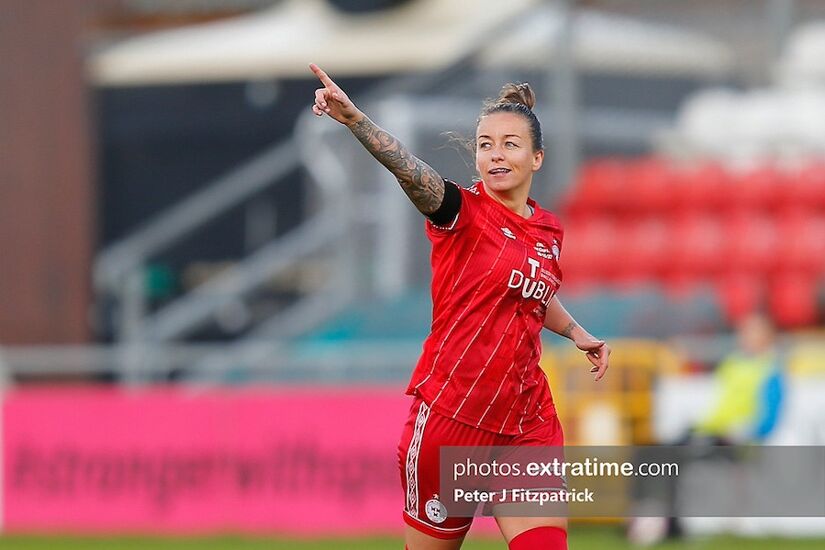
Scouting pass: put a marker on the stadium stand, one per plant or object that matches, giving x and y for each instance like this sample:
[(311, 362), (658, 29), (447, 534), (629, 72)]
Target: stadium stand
[(701, 226)]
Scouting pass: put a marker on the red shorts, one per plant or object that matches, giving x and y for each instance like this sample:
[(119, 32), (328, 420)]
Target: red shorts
[(425, 432)]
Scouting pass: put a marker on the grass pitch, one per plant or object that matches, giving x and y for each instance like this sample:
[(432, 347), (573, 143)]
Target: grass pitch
[(587, 538)]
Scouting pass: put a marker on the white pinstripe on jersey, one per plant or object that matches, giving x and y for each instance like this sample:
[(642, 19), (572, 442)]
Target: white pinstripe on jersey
[(487, 364), (504, 423), (498, 391)]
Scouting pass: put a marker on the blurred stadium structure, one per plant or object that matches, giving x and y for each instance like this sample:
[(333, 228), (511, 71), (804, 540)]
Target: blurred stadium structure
[(239, 239), (679, 143)]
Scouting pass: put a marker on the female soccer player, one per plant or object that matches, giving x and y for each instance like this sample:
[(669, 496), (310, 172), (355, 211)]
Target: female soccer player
[(495, 275)]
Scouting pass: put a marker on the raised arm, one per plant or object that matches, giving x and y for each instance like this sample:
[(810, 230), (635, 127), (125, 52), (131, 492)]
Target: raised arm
[(561, 322), (420, 182)]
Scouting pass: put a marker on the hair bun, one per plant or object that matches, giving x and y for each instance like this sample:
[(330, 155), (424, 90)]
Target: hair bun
[(518, 94)]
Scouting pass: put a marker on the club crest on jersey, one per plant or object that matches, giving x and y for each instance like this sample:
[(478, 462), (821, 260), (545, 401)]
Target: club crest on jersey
[(507, 233), (548, 254), (531, 287), (436, 512)]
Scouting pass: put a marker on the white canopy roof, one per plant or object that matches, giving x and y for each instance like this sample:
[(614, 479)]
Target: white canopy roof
[(802, 63), (418, 36), (612, 43)]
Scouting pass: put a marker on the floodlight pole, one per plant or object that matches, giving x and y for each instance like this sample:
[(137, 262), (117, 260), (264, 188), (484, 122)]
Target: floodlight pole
[(565, 146), (781, 16)]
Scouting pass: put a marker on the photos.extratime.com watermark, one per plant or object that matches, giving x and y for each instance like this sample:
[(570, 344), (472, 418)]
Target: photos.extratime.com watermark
[(632, 481), (590, 466)]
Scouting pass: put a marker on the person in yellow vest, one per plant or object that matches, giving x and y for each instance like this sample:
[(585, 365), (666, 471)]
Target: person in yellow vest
[(748, 395), (749, 388)]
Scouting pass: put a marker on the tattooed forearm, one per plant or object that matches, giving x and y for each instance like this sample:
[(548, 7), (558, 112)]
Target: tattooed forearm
[(568, 330), (420, 182)]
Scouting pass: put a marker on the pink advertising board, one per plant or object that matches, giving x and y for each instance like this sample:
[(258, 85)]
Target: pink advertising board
[(294, 461)]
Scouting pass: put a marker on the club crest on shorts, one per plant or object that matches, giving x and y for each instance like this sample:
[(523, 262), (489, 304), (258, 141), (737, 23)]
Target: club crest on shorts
[(436, 512)]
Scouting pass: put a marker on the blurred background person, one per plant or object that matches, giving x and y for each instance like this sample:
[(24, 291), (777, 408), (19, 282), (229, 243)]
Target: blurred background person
[(749, 387)]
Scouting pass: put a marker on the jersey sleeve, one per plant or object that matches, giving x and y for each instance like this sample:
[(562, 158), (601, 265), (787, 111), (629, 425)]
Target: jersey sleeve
[(466, 212)]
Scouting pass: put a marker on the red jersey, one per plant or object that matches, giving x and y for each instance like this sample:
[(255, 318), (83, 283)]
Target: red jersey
[(494, 273)]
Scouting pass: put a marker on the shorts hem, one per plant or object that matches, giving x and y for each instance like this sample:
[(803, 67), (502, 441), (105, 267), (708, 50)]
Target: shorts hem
[(436, 532)]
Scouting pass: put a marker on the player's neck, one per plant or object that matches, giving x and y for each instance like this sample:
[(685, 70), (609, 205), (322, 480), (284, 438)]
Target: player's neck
[(515, 200)]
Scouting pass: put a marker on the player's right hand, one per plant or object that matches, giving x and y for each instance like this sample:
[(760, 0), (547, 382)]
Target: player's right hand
[(332, 101)]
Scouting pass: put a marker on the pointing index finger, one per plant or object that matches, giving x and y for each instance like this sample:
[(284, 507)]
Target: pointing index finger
[(322, 76)]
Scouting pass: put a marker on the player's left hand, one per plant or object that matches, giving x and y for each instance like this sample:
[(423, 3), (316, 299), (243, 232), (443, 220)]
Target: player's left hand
[(598, 353)]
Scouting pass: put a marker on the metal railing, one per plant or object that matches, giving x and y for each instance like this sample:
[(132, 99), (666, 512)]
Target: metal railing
[(119, 270)]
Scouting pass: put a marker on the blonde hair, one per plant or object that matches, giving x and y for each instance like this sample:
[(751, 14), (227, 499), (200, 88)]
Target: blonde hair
[(519, 99)]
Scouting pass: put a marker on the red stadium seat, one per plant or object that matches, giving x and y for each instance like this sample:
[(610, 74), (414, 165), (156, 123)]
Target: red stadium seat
[(650, 185), (702, 187), (644, 250), (793, 300), (602, 185), (624, 186), (802, 234), (805, 188), (698, 247), (741, 294), (589, 251), (753, 242), (757, 189)]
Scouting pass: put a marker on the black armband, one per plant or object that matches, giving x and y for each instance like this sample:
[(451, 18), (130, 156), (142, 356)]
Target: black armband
[(450, 205)]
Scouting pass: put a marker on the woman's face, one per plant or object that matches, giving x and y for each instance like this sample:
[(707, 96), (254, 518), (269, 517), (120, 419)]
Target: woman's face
[(505, 158), (755, 334)]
